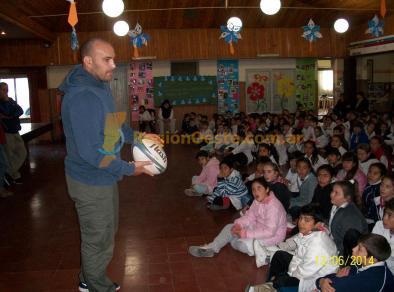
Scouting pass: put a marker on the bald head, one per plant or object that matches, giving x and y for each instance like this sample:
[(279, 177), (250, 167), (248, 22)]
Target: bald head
[(98, 58), (88, 47)]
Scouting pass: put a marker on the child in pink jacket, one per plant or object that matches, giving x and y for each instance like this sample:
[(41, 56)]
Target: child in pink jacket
[(265, 221), (204, 183)]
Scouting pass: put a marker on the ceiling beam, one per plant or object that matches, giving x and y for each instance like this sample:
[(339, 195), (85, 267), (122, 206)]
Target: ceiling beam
[(13, 15)]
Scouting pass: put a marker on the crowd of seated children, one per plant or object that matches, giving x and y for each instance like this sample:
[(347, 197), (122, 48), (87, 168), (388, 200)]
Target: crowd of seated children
[(349, 191)]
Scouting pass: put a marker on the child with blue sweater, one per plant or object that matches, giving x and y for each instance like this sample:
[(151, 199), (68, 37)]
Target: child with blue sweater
[(373, 275), (230, 189)]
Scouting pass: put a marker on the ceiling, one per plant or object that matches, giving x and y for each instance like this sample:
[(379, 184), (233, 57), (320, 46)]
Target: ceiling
[(164, 14)]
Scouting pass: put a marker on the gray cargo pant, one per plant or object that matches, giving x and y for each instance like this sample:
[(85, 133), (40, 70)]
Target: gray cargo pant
[(97, 208)]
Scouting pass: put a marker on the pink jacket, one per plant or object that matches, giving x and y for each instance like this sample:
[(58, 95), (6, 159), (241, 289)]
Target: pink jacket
[(360, 177), (209, 174), (265, 221)]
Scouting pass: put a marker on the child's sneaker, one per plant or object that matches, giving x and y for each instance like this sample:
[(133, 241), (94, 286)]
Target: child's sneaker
[(192, 193), (84, 288), (201, 252)]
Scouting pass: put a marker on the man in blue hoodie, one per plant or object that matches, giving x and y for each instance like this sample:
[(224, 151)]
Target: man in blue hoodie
[(15, 149), (95, 133)]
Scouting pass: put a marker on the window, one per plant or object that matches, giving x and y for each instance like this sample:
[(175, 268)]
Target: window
[(326, 82), (184, 68), (18, 90)]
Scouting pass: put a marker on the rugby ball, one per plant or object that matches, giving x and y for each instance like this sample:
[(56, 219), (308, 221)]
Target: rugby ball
[(148, 150)]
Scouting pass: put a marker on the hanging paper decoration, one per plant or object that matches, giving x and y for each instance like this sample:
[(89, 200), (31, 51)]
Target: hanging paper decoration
[(383, 8), (311, 32), (138, 38), (73, 20), (375, 26), (230, 36)]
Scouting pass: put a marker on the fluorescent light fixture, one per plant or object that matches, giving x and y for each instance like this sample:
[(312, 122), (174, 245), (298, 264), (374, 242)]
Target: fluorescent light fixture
[(145, 58), (268, 55)]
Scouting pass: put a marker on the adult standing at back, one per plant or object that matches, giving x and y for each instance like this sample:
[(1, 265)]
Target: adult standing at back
[(15, 149), (95, 133)]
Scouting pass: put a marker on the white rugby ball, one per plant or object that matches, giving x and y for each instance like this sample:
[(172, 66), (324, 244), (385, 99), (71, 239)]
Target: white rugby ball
[(148, 150)]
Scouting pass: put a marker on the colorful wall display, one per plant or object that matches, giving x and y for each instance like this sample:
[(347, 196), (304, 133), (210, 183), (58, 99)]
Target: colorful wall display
[(258, 91), (306, 89), (228, 86), (140, 87), (283, 90), (270, 90), (185, 90)]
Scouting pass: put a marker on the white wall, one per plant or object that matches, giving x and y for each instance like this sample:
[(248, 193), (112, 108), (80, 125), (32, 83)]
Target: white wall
[(56, 74), (383, 67), (208, 67)]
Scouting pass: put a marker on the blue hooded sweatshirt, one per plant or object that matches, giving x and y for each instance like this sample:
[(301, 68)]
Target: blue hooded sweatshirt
[(94, 131)]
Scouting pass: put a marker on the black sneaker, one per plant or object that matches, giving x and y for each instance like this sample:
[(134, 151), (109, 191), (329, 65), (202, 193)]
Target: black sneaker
[(18, 181), (8, 180)]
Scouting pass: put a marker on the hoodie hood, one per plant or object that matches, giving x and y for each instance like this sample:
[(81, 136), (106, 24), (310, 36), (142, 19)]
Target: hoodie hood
[(78, 77)]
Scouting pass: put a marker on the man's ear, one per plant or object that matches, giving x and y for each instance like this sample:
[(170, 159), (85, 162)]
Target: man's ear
[(87, 60)]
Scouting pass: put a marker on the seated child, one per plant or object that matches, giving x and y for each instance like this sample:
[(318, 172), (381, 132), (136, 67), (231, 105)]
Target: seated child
[(334, 160), (345, 216), (322, 193), (291, 175), (302, 263), (372, 190), (242, 154), (351, 171), (207, 180), (385, 228), (265, 150), (312, 154), (386, 194), (145, 120), (371, 252), (264, 221), (307, 183), (230, 189), (365, 157), (321, 138), (204, 135), (277, 183)]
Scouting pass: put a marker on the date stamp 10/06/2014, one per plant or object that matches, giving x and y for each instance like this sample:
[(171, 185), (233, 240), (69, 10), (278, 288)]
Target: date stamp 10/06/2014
[(343, 261)]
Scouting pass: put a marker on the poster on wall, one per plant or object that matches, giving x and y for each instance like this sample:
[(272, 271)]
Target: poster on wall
[(228, 86), (140, 87), (283, 90), (270, 90), (258, 91), (185, 90), (306, 84)]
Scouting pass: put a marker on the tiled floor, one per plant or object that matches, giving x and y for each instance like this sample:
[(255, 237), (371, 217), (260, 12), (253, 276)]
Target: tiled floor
[(39, 233)]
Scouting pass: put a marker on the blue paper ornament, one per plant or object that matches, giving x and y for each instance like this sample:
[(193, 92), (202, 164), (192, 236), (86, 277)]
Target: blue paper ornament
[(375, 26), (311, 31)]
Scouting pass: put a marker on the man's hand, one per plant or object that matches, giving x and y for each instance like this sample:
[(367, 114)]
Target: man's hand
[(140, 168), (153, 137), (325, 285)]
